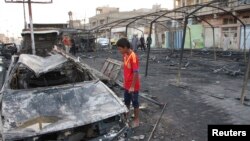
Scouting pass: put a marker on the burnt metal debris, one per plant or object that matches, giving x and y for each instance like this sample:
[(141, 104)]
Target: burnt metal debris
[(57, 98), (8, 49), (157, 123)]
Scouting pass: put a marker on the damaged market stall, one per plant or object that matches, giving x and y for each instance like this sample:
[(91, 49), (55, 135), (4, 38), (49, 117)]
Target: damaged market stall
[(84, 39), (45, 40), (55, 98)]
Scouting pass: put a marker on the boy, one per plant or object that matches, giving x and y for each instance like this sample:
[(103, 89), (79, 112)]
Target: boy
[(131, 77)]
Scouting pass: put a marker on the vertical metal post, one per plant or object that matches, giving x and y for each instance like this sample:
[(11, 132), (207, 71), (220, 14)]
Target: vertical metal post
[(245, 81), (150, 32), (245, 54), (31, 29), (110, 46), (174, 35), (172, 40), (88, 40), (215, 56), (84, 24), (126, 32), (190, 39), (182, 49), (96, 37), (24, 16)]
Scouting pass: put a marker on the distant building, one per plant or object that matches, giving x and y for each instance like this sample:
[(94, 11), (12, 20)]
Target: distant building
[(75, 24), (78, 24), (228, 31), (106, 15), (4, 39), (105, 10)]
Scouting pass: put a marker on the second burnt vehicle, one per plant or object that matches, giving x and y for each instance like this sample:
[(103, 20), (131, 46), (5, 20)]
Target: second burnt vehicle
[(8, 49), (57, 98), (46, 38)]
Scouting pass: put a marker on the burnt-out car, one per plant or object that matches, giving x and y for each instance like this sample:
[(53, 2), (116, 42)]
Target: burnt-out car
[(56, 98), (8, 50)]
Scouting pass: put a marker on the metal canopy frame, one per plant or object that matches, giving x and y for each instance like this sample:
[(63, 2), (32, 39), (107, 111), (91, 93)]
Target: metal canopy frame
[(27, 1), (188, 12)]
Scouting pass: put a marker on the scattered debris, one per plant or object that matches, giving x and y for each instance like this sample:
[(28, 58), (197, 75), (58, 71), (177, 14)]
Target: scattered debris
[(167, 58), (153, 58), (172, 63), (143, 106), (83, 56), (91, 57), (162, 137), (218, 70), (146, 97), (205, 51), (140, 137), (219, 96), (157, 123), (142, 56), (187, 64), (217, 82), (232, 70), (226, 54)]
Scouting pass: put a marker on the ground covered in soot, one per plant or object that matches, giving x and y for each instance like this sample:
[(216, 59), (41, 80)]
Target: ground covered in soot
[(208, 93)]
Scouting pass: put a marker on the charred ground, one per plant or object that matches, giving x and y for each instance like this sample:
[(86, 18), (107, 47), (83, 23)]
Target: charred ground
[(209, 92)]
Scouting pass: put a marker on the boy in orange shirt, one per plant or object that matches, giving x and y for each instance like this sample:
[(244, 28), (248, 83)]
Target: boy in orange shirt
[(131, 77)]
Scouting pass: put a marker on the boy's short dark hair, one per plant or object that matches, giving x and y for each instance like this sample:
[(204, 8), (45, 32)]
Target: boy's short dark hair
[(123, 42)]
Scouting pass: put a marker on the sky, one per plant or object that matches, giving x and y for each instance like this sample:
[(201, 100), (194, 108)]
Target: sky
[(12, 16)]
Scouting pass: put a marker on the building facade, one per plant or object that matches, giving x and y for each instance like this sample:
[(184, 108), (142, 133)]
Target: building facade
[(228, 30), (4, 38), (106, 15)]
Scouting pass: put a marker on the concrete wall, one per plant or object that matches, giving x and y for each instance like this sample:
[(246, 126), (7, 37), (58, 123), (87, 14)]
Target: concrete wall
[(209, 37), (247, 37), (197, 37), (173, 39), (222, 31)]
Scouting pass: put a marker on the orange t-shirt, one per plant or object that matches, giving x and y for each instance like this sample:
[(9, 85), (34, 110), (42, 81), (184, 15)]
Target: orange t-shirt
[(66, 41), (131, 65)]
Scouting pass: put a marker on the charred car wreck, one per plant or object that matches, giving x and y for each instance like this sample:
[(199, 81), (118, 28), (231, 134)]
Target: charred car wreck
[(55, 98)]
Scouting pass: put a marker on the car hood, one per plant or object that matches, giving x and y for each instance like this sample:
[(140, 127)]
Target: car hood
[(28, 113), (41, 65)]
